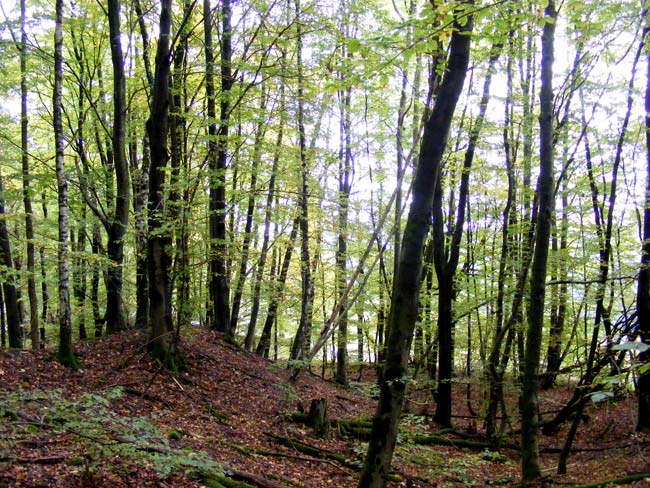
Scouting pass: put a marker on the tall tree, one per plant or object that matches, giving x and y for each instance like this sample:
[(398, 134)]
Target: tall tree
[(217, 157), (529, 401), (260, 133), (643, 286), (406, 288), (163, 340), (268, 214), (27, 198), (344, 190), (116, 224), (66, 354), (140, 183), (446, 253), (300, 346)]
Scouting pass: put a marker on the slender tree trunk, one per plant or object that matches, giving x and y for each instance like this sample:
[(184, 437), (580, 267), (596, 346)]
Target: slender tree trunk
[(140, 184), (163, 341), (3, 321), (117, 225), (27, 199), (264, 343), (217, 156), (44, 290), (268, 214), (79, 275), (404, 303), (66, 354), (94, 282), (558, 318), (446, 254), (300, 347), (529, 401), (345, 186), (260, 133), (180, 192)]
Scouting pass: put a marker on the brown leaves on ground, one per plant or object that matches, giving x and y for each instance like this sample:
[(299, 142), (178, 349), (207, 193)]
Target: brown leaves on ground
[(228, 399)]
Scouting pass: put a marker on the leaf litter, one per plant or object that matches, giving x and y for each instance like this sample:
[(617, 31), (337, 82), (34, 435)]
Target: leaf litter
[(123, 421)]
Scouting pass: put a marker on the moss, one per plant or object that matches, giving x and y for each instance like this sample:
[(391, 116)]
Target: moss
[(69, 361), (76, 461), (173, 361)]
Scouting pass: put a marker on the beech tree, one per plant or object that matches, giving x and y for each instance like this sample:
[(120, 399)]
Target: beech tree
[(163, 340), (643, 287), (404, 303), (529, 402), (217, 155), (116, 223)]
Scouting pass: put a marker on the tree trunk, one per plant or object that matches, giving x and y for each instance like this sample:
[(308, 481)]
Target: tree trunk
[(404, 303), (217, 157), (27, 199), (300, 346), (14, 329), (446, 254), (179, 191), (140, 183), (66, 354), (529, 401), (268, 215), (79, 275), (44, 290), (94, 282), (264, 343), (643, 285), (260, 133), (117, 225), (345, 175), (163, 342)]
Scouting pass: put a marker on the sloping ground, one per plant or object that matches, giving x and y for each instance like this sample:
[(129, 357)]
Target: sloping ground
[(123, 421)]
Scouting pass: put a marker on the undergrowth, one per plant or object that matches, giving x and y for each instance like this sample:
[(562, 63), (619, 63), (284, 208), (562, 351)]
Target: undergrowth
[(99, 430)]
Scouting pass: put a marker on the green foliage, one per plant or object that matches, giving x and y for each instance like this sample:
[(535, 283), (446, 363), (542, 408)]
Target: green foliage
[(93, 419)]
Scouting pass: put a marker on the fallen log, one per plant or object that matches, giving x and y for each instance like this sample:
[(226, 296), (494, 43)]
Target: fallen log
[(443, 441), (625, 480), (39, 460), (311, 450)]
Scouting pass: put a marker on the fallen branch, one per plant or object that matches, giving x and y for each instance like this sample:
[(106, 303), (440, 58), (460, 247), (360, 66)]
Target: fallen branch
[(443, 441), (247, 451), (41, 460), (314, 451), (256, 480), (626, 480)]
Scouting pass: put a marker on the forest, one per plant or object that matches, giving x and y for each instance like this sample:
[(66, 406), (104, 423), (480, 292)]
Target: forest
[(442, 203)]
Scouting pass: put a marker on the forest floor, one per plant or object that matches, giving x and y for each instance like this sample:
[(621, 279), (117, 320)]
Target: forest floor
[(123, 421)]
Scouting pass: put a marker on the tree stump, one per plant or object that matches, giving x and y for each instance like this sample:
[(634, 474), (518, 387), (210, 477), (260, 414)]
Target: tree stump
[(318, 418)]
